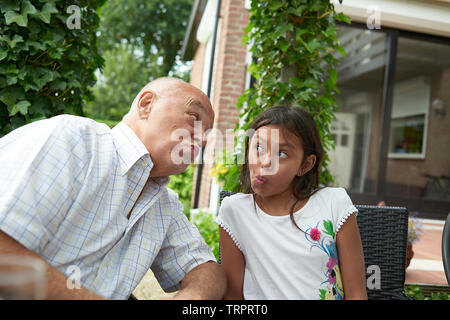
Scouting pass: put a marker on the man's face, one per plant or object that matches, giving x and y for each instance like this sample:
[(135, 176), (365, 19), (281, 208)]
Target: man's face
[(175, 129)]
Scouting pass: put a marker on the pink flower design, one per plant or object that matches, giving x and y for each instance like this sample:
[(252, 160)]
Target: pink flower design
[(315, 234), (331, 263)]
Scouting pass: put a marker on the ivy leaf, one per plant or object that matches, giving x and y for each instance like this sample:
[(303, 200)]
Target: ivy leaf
[(10, 95), (3, 53), (46, 76), (275, 5), (343, 18), (21, 107), (332, 79), (46, 12), (9, 5), (22, 18), (12, 16)]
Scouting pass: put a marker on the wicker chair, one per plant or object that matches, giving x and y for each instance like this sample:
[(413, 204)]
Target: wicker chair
[(383, 233)]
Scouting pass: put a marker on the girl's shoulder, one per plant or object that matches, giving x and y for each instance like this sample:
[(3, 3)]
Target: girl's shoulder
[(331, 195), (237, 198)]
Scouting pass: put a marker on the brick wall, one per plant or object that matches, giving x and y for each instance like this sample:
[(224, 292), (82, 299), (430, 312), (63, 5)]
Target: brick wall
[(229, 78)]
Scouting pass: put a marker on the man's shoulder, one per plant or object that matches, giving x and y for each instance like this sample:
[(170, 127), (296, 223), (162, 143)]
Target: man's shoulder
[(72, 123)]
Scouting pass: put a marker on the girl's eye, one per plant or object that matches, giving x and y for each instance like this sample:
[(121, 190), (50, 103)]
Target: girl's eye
[(283, 154), (258, 148)]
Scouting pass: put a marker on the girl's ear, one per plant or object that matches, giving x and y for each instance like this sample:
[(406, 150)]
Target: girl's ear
[(307, 165)]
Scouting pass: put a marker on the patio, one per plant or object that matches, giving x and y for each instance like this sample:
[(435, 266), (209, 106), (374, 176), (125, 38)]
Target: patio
[(426, 266)]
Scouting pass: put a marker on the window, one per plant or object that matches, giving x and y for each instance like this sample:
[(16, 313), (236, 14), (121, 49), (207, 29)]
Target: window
[(392, 129), (409, 118)]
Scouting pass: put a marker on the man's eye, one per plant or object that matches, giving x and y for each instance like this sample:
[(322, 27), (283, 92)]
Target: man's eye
[(282, 154), (258, 148), (195, 116)]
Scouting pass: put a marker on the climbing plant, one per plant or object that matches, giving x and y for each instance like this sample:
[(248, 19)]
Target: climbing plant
[(48, 56), (294, 49)]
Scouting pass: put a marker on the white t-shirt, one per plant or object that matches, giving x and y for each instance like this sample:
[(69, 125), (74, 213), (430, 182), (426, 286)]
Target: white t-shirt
[(281, 261)]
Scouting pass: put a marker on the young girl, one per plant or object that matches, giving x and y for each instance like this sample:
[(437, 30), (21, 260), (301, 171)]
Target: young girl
[(284, 237)]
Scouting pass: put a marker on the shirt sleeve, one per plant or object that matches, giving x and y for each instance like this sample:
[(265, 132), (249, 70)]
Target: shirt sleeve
[(227, 221), (36, 170), (342, 208), (182, 250)]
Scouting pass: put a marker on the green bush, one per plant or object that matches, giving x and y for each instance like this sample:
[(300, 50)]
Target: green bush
[(209, 229), (414, 292), (47, 59), (182, 185)]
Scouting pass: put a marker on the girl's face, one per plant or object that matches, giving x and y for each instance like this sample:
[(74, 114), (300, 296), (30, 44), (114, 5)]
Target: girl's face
[(275, 158)]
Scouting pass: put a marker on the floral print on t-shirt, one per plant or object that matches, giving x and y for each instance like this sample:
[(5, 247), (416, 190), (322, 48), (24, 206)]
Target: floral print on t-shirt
[(331, 288)]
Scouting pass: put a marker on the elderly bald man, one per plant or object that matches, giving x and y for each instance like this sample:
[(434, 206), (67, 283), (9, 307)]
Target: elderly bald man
[(83, 197)]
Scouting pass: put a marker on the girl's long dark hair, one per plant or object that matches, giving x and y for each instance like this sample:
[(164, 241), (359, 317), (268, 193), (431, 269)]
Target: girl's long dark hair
[(300, 123)]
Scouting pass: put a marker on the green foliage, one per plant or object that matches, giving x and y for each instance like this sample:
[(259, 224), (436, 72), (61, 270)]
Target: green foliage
[(140, 40), (46, 68), (156, 28), (209, 229), (182, 185), (294, 46), (122, 78), (110, 123), (413, 291)]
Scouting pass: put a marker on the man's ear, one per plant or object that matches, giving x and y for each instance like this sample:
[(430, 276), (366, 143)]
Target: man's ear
[(307, 165), (145, 103)]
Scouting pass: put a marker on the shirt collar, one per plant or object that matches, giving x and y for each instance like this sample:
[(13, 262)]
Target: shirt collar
[(129, 147)]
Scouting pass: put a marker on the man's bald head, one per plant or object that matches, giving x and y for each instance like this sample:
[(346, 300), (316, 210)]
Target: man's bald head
[(164, 108), (161, 87)]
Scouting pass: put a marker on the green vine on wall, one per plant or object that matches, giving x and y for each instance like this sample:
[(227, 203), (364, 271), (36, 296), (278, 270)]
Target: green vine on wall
[(294, 48)]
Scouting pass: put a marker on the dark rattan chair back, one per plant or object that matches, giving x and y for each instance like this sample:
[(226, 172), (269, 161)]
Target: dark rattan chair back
[(383, 233)]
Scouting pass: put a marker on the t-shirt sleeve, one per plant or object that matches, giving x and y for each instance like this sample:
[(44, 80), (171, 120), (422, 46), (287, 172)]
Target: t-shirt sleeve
[(36, 182), (342, 208), (228, 222), (182, 250)]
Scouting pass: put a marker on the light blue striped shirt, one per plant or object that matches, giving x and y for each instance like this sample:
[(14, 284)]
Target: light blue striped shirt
[(67, 185)]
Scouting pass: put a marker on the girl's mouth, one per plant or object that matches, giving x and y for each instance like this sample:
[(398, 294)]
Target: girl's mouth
[(260, 180)]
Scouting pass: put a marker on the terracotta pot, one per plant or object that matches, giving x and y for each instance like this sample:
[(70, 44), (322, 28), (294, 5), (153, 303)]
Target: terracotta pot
[(409, 253)]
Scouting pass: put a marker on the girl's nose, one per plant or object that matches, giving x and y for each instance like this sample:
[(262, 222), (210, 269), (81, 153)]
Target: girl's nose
[(266, 160)]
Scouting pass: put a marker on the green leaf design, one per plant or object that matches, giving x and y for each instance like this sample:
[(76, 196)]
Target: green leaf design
[(328, 225), (322, 294)]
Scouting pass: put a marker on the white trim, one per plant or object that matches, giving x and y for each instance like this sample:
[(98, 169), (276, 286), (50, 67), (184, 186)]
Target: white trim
[(206, 26), (413, 15), (426, 265), (214, 197)]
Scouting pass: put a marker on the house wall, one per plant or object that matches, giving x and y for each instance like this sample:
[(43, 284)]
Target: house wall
[(197, 67), (436, 162)]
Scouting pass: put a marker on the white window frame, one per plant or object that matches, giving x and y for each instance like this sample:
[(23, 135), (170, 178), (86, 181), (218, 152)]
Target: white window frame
[(419, 83)]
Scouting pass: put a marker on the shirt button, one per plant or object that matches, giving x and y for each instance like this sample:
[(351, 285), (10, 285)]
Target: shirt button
[(130, 191)]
